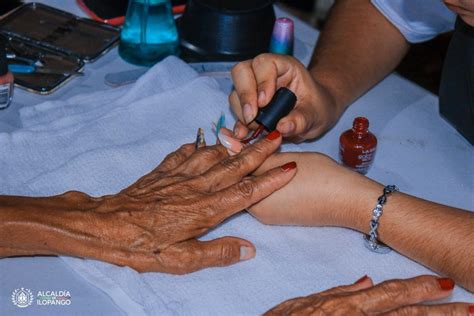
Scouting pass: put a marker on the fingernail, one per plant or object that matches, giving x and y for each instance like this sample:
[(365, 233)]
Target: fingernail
[(273, 135), (471, 310), (261, 97), (288, 166), (287, 127), (230, 143), (236, 131), (200, 140), (248, 113), (365, 277), (246, 253), (446, 284)]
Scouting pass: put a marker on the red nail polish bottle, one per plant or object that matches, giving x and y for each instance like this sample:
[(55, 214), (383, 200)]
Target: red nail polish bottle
[(357, 146)]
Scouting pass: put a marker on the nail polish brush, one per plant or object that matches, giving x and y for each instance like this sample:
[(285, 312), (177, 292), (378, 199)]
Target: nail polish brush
[(281, 104)]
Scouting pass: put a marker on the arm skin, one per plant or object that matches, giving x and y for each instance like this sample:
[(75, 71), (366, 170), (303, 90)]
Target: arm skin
[(357, 49), (325, 194), (47, 225)]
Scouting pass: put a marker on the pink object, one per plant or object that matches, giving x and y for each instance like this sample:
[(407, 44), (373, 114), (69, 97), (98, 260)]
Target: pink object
[(233, 145), (282, 37)]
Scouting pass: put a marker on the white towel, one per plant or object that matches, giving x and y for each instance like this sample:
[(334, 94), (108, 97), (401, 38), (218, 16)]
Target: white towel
[(102, 142)]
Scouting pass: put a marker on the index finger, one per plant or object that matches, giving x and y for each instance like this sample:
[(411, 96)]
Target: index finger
[(249, 191), (393, 294), (234, 168), (245, 86)]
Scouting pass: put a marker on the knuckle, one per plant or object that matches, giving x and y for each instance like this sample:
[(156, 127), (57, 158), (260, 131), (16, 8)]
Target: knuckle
[(262, 58), (336, 305), (262, 85), (228, 253), (182, 152), (394, 290), (453, 309), (233, 164), (293, 61), (246, 188), (179, 155), (214, 152), (427, 287), (245, 97), (238, 68), (411, 311), (259, 148), (187, 147)]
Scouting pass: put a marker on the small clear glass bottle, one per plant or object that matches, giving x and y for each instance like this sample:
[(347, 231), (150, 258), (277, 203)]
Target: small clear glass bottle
[(357, 146), (149, 33), (6, 78)]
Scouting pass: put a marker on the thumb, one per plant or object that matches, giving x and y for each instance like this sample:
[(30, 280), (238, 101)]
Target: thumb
[(194, 255), (297, 123), (224, 251)]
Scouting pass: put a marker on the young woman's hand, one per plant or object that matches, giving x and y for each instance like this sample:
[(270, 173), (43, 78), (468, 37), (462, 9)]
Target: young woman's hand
[(255, 83), (323, 193)]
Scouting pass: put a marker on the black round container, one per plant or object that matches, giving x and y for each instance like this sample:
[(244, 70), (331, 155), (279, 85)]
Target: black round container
[(225, 30)]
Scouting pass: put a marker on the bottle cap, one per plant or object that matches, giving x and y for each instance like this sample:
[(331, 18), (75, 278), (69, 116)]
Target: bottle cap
[(282, 37), (3, 57), (360, 124), (283, 101)]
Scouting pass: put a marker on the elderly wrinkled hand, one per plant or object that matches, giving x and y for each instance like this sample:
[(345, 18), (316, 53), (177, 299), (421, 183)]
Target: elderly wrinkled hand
[(153, 225), (390, 298), (157, 219)]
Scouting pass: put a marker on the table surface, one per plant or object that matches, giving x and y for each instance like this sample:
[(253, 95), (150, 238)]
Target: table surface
[(51, 273)]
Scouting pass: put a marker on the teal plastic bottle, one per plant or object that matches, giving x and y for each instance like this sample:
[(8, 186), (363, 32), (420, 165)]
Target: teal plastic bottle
[(149, 33)]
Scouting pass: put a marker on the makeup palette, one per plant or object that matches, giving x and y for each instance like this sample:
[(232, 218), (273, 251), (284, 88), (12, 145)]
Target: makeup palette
[(57, 39)]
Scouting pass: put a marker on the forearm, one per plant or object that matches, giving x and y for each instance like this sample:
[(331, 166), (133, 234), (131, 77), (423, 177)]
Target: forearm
[(357, 49), (325, 194), (438, 236), (45, 226)]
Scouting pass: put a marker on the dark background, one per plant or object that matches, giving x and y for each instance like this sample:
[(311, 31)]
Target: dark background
[(422, 65)]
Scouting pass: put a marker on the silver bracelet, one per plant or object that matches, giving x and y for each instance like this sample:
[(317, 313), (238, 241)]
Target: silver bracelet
[(371, 241)]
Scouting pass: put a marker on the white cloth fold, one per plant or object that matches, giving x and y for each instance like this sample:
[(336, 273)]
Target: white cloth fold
[(101, 142)]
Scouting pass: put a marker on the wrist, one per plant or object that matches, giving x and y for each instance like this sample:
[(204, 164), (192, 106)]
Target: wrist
[(360, 194), (332, 88)]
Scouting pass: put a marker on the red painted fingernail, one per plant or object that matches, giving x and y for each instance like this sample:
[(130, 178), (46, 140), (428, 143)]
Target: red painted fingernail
[(288, 166), (365, 277), (471, 310), (273, 135), (446, 284)]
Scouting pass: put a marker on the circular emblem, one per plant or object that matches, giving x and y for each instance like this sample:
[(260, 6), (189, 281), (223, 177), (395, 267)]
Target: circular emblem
[(22, 297)]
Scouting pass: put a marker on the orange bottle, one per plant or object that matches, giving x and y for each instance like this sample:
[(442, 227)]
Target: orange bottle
[(357, 146)]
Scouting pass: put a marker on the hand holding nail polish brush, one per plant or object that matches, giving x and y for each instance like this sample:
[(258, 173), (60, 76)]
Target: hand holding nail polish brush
[(282, 103)]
